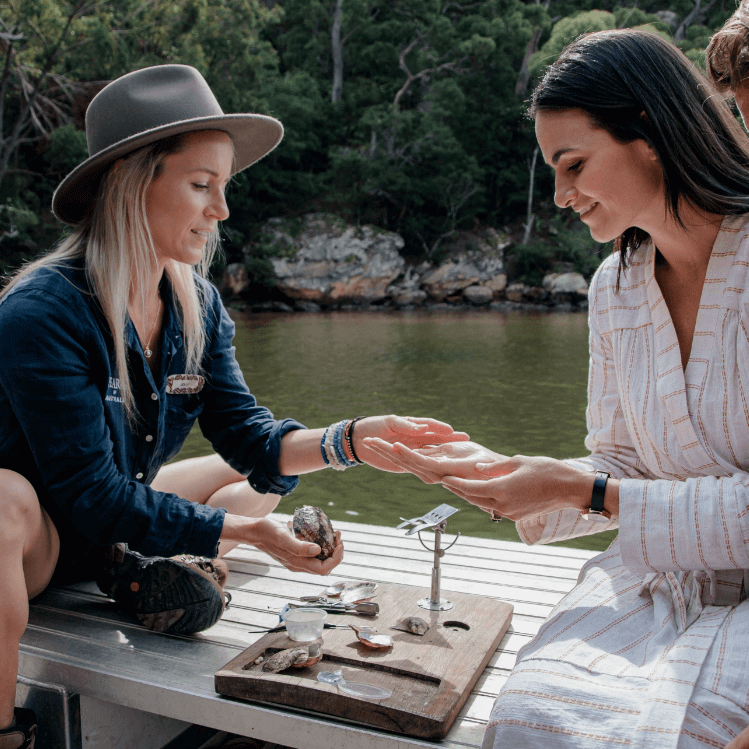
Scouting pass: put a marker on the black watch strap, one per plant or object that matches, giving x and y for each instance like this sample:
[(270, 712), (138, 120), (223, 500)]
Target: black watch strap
[(599, 491)]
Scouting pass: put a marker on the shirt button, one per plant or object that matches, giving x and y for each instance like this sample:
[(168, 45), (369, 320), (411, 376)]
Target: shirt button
[(149, 438), (154, 396), (138, 475)]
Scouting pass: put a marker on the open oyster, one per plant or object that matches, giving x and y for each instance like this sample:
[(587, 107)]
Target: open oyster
[(312, 524), (314, 656), (352, 590), (284, 659), (372, 639), (358, 593)]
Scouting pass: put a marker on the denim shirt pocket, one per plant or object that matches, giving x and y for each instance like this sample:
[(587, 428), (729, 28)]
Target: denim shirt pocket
[(183, 410)]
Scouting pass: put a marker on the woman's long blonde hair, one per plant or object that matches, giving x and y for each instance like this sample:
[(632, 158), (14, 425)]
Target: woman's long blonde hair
[(118, 250)]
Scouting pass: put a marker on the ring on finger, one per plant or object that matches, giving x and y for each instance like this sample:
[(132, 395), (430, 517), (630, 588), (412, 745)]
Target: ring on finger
[(496, 517)]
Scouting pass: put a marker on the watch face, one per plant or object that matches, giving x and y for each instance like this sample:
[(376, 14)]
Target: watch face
[(596, 517)]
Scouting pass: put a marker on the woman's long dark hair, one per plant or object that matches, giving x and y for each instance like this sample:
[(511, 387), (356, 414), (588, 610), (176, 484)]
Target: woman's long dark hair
[(636, 85)]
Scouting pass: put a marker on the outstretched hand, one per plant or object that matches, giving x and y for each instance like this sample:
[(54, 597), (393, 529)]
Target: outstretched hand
[(298, 556), (518, 487), (523, 487), (431, 464), (409, 431)]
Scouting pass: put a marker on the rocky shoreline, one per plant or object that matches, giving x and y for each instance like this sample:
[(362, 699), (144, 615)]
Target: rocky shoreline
[(257, 305), (320, 263)]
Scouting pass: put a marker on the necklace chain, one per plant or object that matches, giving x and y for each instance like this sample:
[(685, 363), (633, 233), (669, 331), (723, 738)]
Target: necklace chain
[(147, 352)]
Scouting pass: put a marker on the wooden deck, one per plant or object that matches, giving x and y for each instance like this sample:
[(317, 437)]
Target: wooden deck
[(77, 639)]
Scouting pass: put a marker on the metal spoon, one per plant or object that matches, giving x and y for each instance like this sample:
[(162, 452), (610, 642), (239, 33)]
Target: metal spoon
[(282, 627), (366, 608), (334, 604)]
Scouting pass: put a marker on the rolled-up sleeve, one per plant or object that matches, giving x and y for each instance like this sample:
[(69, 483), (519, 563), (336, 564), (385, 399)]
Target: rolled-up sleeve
[(244, 434)]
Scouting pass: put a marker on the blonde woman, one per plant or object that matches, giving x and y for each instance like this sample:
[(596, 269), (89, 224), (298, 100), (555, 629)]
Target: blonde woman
[(111, 347)]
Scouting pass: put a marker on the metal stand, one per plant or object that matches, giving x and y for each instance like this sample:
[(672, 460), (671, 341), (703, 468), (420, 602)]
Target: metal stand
[(436, 520)]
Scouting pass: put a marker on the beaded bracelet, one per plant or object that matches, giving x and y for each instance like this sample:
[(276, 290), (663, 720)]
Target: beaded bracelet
[(331, 446), (340, 436), (322, 447), (338, 443), (333, 460), (350, 440), (326, 449)]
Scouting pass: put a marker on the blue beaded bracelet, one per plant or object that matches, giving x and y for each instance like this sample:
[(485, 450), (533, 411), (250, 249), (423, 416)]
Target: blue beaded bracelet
[(322, 448), (338, 444)]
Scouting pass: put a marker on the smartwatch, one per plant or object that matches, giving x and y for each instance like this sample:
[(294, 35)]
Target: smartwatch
[(595, 512)]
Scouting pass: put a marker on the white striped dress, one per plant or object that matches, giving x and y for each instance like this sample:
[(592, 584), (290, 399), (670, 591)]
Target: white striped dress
[(651, 648)]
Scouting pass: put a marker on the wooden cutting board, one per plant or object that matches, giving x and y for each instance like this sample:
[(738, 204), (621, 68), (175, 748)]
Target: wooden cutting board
[(430, 676)]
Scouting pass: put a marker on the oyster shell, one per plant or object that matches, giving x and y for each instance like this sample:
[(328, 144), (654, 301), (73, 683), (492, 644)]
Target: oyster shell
[(358, 593), (312, 524), (372, 639), (412, 624), (336, 589), (284, 659), (314, 656)]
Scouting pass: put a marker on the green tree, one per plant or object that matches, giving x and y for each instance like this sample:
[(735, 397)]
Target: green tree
[(403, 113), (416, 74), (567, 30), (35, 35), (58, 54)]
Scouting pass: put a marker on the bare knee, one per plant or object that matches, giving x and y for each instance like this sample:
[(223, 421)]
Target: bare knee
[(196, 479), (20, 512), (265, 504), (29, 542)]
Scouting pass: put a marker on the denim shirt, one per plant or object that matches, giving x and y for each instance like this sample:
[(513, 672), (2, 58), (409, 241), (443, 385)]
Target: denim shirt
[(63, 424)]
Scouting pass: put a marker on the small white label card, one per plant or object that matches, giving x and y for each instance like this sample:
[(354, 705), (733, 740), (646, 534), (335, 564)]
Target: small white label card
[(184, 384)]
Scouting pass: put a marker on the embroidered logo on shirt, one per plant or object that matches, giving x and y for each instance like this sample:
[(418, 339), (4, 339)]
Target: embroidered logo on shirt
[(184, 384), (113, 390)]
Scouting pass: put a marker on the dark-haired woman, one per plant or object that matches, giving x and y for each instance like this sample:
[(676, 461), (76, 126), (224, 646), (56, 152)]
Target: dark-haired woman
[(111, 348), (650, 649)]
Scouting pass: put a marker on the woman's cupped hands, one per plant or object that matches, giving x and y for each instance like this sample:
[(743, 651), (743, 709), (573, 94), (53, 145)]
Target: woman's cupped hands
[(407, 431), (434, 462), (279, 542), (518, 487)]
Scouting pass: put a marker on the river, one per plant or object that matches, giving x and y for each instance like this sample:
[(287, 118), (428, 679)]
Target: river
[(515, 381)]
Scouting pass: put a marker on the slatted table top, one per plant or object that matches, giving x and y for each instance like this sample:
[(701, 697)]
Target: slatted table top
[(77, 638)]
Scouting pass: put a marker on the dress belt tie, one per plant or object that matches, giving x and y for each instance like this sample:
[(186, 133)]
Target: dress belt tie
[(686, 591)]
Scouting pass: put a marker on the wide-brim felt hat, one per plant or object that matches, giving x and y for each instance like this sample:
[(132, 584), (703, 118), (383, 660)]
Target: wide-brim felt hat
[(145, 106)]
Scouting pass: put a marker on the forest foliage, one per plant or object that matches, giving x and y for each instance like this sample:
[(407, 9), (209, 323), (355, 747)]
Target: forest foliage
[(405, 114)]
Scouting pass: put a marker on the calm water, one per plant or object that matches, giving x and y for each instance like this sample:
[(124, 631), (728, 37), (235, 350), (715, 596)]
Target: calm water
[(516, 382)]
